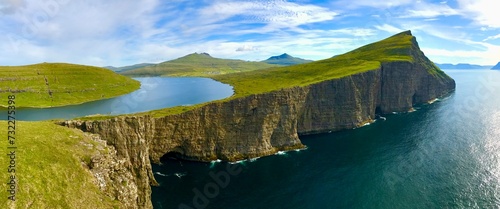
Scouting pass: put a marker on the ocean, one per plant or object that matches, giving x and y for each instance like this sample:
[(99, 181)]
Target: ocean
[(443, 155)]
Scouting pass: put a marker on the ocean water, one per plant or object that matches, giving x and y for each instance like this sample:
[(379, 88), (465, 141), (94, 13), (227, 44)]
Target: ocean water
[(444, 155)]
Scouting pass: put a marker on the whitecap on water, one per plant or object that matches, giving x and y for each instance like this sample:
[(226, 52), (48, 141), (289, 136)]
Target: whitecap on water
[(236, 162), (432, 101), (254, 159), (298, 150), (179, 175), (160, 174)]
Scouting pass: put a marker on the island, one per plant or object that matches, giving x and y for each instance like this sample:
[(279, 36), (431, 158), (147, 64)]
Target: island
[(496, 67), (270, 109), (463, 66)]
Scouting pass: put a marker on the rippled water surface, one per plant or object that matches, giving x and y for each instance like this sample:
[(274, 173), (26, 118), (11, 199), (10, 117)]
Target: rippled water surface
[(444, 155)]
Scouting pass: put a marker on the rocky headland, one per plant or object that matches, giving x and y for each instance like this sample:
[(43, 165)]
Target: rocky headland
[(260, 124)]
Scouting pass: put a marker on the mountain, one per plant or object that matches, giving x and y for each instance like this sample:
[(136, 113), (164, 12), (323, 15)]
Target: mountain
[(463, 66), (197, 64), (496, 67), (127, 68), (285, 59)]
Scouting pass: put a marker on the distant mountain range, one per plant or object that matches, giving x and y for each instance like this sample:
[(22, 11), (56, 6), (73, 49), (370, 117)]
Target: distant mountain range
[(126, 68), (496, 67), (197, 64), (286, 59), (463, 66)]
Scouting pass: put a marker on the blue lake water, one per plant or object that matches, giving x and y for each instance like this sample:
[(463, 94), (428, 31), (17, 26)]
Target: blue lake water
[(155, 93), (444, 155)]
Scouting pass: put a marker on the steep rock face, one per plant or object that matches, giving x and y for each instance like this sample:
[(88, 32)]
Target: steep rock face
[(263, 124), (128, 140)]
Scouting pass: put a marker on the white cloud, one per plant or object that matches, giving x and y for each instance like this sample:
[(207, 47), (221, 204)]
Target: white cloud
[(427, 10), (11, 6), (492, 37), (483, 12), (482, 57), (246, 48), (389, 28), (278, 13), (371, 3)]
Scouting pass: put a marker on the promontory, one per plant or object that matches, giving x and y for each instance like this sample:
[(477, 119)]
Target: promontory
[(270, 109)]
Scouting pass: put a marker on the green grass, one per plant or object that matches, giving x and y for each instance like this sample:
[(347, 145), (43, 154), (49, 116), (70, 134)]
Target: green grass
[(59, 84), (198, 65), (50, 168), (400, 47)]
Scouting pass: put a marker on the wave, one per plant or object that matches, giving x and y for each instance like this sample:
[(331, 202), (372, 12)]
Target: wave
[(179, 175), (280, 153), (160, 174), (237, 162), (298, 150), (432, 101), (254, 159)]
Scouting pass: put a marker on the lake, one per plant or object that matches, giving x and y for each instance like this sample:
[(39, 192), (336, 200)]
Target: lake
[(155, 93), (444, 155)]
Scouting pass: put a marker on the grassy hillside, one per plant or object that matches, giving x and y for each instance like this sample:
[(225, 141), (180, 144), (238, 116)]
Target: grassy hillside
[(58, 84), (198, 65), (50, 168), (400, 47), (286, 60)]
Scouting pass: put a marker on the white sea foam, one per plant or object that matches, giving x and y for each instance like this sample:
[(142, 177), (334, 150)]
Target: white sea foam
[(216, 161), (298, 150), (179, 175), (161, 174), (254, 159), (236, 162), (280, 153), (432, 101)]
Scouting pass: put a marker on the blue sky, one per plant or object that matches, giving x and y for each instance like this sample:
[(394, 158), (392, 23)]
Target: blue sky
[(123, 32)]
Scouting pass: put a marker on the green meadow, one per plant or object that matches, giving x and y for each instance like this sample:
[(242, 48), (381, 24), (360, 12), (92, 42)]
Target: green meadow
[(51, 168), (59, 84)]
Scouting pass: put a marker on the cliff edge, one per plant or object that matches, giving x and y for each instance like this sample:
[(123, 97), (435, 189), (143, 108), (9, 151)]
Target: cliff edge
[(339, 93)]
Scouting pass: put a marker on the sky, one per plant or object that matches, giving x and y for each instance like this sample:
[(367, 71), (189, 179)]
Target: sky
[(126, 32)]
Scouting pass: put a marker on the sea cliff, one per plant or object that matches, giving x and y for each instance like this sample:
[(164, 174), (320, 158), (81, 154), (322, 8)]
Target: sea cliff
[(262, 124)]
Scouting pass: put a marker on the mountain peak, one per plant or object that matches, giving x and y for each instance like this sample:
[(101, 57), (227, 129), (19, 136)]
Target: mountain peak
[(282, 56), (285, 59)]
